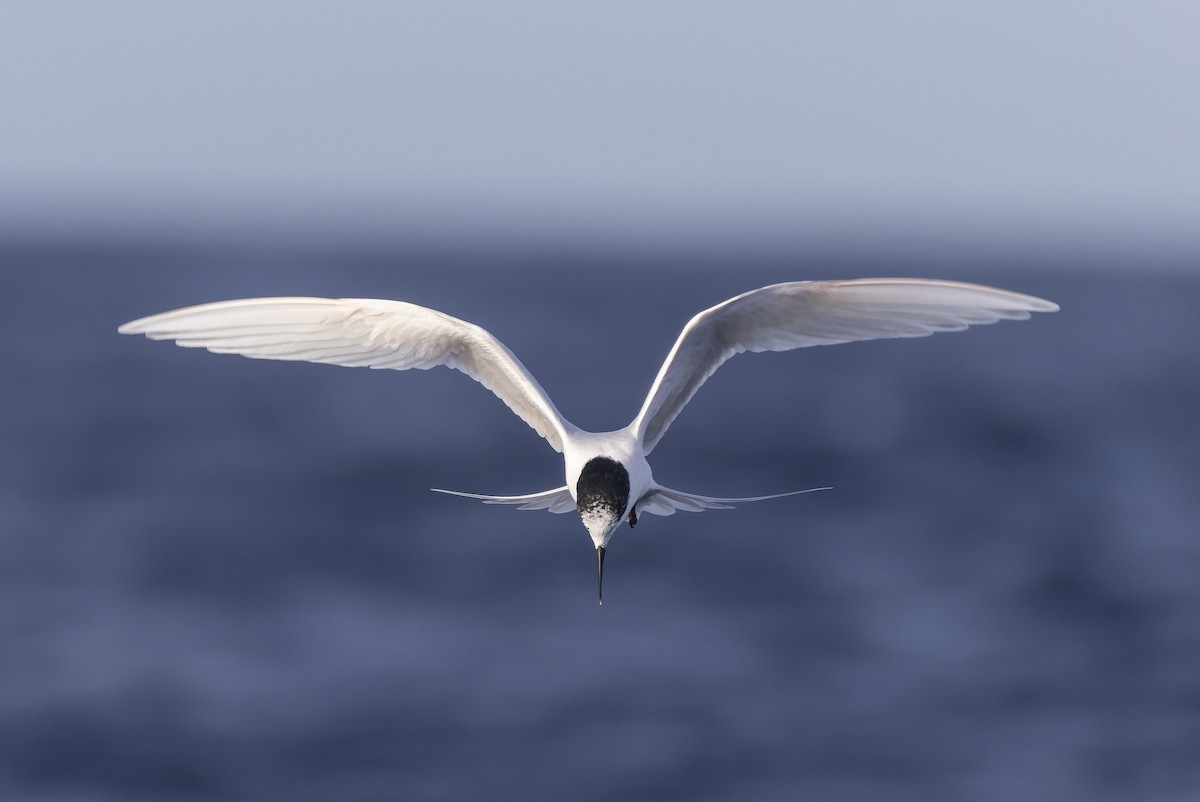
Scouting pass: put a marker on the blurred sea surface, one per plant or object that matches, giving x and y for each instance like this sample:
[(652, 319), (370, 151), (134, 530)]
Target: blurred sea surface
[(226, 579)]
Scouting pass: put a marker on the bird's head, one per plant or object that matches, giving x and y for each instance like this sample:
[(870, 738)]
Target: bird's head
[(602, 498)]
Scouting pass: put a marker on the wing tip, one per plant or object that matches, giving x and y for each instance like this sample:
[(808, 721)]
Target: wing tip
[(132, 327)]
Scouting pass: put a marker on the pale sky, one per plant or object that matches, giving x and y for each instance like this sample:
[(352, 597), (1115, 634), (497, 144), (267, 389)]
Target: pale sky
[(1084, 115)]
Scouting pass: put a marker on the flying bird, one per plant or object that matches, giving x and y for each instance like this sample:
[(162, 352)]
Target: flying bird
[(608, 478)]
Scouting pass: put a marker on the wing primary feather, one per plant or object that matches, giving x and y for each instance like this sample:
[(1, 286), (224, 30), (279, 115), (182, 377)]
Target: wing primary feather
[(800, 314), (360, 332)]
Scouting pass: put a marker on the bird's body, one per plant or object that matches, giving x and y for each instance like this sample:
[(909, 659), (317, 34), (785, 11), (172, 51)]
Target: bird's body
[(599, 466), (607, 475)]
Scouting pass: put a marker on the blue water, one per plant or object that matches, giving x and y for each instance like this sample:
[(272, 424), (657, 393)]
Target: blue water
[(223, 579)]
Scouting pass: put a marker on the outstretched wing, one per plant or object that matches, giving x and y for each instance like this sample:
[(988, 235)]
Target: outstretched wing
[(664, 501), (360, 332), (557, 500), (803, 313)]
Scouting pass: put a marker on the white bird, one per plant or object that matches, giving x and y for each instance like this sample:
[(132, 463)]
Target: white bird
[(608, 479)]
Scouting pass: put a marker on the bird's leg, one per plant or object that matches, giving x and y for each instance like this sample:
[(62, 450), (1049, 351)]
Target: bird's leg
[(632, 517)]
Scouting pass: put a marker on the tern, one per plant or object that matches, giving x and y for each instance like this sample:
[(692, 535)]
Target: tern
[(608, 478)]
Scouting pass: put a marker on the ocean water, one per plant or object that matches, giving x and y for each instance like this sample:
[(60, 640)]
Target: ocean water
[(225, 579)]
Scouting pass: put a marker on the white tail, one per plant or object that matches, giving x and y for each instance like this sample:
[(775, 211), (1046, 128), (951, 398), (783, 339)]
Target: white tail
[(557, 500), (665, 501)]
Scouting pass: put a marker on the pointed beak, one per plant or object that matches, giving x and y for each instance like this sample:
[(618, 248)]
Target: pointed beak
[(600, 573)]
